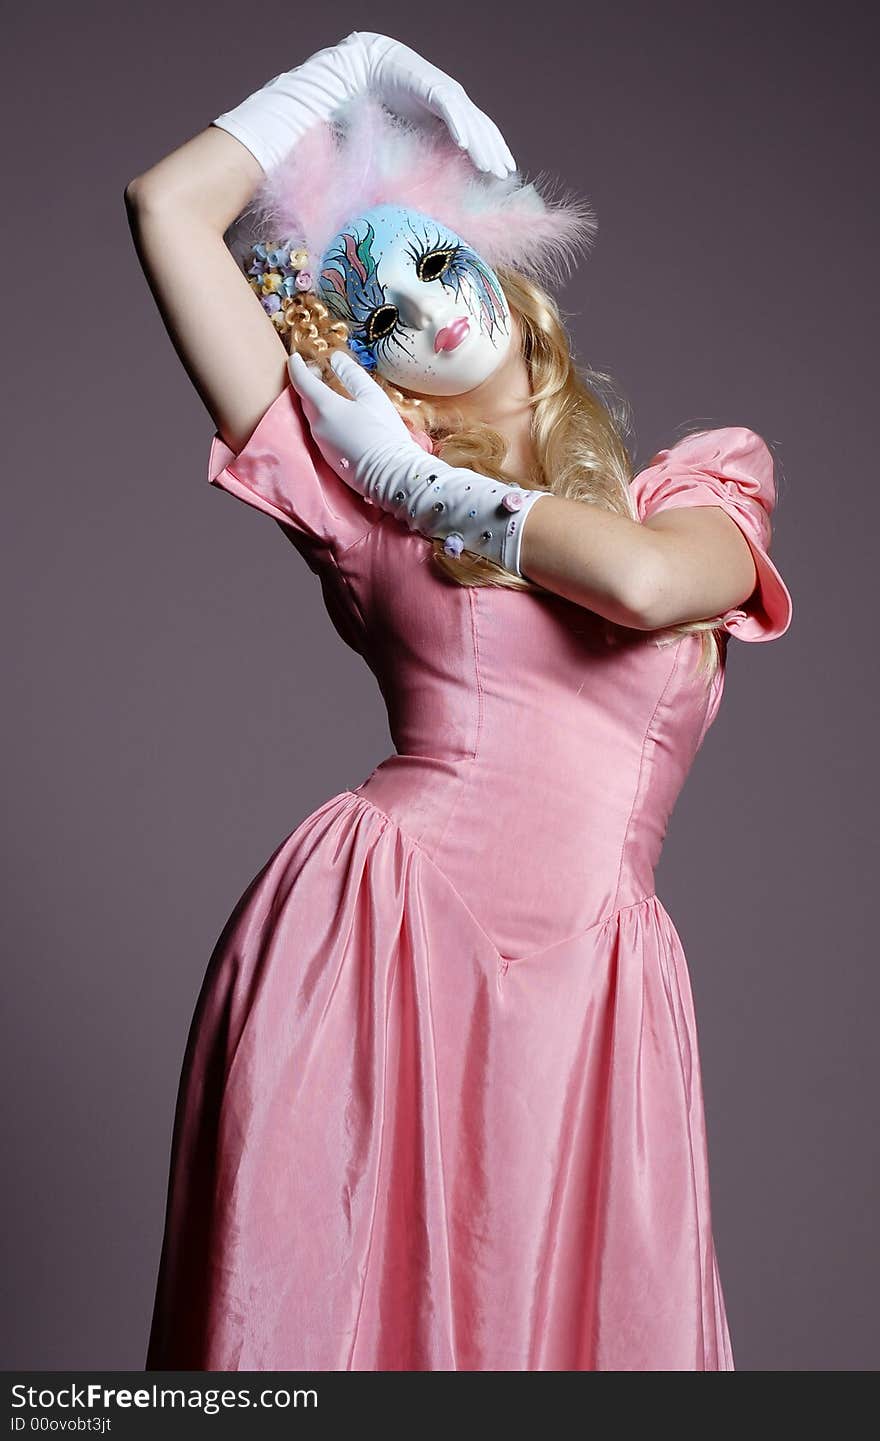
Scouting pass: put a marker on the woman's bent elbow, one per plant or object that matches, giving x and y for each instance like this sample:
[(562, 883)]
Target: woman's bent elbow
[(139, 194), (642, 596)]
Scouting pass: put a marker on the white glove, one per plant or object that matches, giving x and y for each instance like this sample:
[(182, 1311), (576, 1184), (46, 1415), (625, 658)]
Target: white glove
[(271, 121), (366, 442)]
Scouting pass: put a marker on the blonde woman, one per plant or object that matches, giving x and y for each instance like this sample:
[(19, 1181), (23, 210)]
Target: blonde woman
[(441, 1104)]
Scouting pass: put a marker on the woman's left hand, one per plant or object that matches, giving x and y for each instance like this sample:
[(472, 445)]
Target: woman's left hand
[(366, 441)]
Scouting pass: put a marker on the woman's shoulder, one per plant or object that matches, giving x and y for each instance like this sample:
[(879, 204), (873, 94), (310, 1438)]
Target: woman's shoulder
[(736, 458), (731, 445), (731, 467)]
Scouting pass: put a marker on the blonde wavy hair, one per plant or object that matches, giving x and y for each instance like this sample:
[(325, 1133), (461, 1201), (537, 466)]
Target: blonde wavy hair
[(580, 425)]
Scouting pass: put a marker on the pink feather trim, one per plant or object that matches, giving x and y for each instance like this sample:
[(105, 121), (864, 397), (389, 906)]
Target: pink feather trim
[(368, 156)]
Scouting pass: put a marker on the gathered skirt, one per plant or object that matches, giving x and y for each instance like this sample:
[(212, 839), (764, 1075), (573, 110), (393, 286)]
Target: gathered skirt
[(394, 1149)]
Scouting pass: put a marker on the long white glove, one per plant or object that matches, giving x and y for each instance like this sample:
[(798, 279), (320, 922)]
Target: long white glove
[(367, 443), (271, 121)]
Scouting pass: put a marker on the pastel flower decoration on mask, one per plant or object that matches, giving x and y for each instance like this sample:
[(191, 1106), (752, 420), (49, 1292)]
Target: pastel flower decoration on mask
[(361, 352), (277, 274)]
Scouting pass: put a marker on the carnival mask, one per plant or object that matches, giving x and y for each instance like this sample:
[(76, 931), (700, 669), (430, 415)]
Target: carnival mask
[(422, 307)]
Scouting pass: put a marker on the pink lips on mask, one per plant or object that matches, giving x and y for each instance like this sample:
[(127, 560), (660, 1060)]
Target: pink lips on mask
[(452, 334)]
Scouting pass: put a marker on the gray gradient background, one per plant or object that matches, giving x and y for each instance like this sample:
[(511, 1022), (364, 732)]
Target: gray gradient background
[(177, 701)]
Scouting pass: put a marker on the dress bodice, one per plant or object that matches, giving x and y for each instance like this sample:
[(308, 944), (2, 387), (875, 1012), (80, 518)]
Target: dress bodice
[(538, 753)]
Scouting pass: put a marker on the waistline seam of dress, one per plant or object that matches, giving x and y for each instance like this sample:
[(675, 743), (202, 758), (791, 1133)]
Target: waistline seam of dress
[(503, 961)]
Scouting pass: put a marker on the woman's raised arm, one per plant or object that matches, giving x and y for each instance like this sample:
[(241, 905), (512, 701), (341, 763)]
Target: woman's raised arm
[(179, 211)]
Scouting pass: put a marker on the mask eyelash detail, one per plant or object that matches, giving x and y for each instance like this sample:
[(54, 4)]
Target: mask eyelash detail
[(465, 269), (440, 246), (385, 342), (371, 337), (350, 280), (418, 255)]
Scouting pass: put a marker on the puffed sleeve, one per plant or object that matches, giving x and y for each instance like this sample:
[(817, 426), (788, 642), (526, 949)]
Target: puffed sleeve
[(732, 468), (281, 472)]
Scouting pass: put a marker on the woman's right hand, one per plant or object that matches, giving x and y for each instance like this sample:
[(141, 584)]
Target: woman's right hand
[(411, 85), (271, 121)]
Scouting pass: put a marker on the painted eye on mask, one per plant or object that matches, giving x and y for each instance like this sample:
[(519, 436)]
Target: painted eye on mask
[(435, 263), (380, 323)]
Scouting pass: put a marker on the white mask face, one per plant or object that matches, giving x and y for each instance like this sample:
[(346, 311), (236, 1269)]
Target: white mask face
[(423, 309)]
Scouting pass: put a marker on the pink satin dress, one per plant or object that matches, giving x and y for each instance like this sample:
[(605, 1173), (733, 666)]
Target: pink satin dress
[(441, 1104)]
